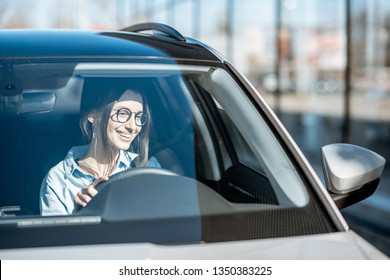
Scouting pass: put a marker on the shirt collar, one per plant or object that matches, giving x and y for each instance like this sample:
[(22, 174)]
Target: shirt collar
[(125, 159), (76, 152)]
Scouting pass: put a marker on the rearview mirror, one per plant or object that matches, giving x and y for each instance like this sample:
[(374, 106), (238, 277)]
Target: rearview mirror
[(29, 102), (351, 172)]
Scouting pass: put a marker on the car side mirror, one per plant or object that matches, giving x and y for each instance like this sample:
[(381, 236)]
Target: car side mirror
[(351, 172)]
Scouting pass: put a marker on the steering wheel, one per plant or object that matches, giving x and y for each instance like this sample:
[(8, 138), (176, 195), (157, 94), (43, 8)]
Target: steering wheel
[(122, 185), (132, 172)]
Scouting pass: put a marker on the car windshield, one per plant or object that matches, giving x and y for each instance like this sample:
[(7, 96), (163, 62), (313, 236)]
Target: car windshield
[(227, 175)]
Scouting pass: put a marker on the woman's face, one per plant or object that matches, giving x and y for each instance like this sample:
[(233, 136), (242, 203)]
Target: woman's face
[(120, 135)]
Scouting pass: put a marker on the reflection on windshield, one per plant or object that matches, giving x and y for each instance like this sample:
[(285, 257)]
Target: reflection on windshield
[(177, 145)]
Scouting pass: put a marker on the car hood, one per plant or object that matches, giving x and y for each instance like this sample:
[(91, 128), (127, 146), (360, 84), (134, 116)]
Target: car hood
[(343, 245)]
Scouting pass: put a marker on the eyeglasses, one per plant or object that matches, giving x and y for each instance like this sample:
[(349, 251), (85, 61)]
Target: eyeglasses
[(123, 115)]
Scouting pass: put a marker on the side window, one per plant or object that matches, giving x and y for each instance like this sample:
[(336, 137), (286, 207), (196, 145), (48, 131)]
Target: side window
[(243, 151), (260, 171), (244, 181)]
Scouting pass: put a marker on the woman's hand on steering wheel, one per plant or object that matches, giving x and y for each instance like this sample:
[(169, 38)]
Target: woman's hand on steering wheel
[(84, 196)]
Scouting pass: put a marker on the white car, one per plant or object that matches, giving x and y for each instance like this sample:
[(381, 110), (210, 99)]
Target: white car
[(232, 183)]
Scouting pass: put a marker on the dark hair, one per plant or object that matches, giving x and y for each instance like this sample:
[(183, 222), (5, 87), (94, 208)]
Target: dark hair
[(98, 99)]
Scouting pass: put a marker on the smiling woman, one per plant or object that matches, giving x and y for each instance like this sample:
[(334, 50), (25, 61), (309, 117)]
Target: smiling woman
[(110, 125)]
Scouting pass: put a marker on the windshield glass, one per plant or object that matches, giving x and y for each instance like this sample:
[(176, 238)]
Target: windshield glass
[(200, 150)]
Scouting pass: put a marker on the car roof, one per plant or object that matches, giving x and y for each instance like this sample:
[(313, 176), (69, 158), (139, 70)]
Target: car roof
[(70, 43)]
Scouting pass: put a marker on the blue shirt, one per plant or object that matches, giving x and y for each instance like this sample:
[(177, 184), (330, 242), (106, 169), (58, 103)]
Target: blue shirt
[(66, 179)]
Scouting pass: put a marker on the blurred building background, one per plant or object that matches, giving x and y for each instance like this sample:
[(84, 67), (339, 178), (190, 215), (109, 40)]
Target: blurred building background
[(324, 66)]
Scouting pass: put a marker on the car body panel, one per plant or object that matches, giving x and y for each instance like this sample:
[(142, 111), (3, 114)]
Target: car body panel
[(342, 245)]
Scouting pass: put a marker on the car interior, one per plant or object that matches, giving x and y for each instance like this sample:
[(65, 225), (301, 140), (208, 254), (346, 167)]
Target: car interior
[(40, 133), (33, 143), (211, 180)]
